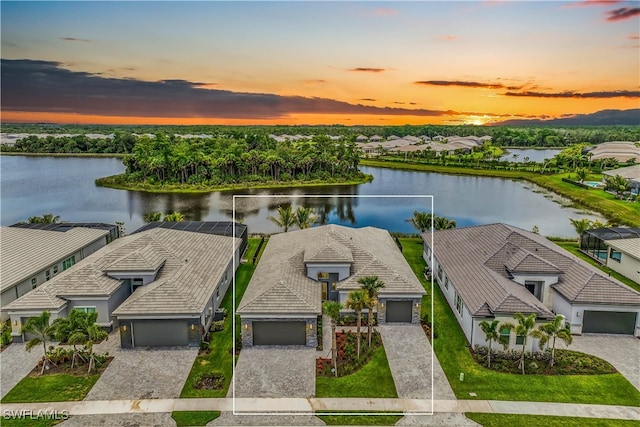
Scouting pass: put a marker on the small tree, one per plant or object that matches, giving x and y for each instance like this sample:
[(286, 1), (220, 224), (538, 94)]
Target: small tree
[(372, 285), (152, 217), (304, 217), (522, 329), (421, 220), (357, 301), (491, 333), (557, 328), (285, 218), (581, 225), (47, 218), (332, 309), (442, 223), (173, 217), (44, 331)]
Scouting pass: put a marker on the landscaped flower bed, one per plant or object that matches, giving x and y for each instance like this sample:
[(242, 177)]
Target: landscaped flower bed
[(60, 362), (347, 359), (567, 362), (350, 320)]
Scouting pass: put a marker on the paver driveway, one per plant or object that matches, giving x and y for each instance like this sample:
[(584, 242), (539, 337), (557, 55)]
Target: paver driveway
[(622, 351), (15, 364), (274, 371), (410, 360), (144, 373)]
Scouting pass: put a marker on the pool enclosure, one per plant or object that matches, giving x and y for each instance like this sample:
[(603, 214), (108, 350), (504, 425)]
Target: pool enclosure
[(594, 242)]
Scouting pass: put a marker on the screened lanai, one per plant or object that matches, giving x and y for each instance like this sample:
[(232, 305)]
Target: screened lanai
[(593, 242)]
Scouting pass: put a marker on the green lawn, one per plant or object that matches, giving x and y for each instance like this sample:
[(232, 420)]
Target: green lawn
[(39, 422), (510, 420), (360, 420), (451, 350), (194, 418), (372, 380), (575, 249), (221, 344), (51, 388), (595, 199)]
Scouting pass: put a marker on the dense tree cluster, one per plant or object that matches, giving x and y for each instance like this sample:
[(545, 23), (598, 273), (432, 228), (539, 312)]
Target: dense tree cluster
[(254, 158)]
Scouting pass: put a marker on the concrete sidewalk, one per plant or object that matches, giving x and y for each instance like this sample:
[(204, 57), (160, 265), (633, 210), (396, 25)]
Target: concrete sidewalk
[(301, 406)]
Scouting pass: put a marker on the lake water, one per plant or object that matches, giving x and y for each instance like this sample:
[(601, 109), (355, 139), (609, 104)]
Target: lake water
[(65, 186), (534, 155)]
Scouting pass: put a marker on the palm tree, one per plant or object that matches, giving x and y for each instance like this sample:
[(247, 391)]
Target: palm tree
[(372, 285), (442, 223), (357, 301), (47, 218), (581, 225), (557, 328), (332, 309), (94, 333), (304, 217), (582, 174), (43, 330), (522, 329), (285, 218), (421, 220), (152, 217), (67, 330), (173, 217), (492, 333)]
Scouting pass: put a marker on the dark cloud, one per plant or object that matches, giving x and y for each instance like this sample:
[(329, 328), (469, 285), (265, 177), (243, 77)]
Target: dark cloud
[(368, 99), (73, 39), (634, 37), (622, 13), (368, 70), (603, 94), (45, 86), (466, 84), (314, 81)]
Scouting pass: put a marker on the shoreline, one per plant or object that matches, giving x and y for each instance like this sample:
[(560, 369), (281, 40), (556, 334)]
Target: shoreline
[(16, 153), (111, 182)]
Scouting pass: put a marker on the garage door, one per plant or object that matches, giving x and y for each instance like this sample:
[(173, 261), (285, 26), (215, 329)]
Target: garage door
[(160, 333), (399, 311), (609, 322), (279, 333), (28, 336)]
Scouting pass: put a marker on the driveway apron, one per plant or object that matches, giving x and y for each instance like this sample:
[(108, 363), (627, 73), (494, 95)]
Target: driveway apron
[(410, 360), (15, 364)]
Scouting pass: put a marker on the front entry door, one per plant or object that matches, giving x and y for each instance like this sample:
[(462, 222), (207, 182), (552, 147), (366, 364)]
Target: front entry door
[(329, 291)]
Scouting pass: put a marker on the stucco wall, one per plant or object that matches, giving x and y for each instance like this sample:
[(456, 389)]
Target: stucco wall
[(628, 266), (342, 270)]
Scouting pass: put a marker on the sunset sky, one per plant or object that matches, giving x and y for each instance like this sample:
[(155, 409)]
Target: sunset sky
[(378, 63)]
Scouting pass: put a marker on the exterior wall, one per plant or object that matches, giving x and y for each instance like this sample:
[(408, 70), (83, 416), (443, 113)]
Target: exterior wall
[(479, 336), (102, 307), (18, 318), (575, 313), (117, 298), (628, 266), (547, 294), (91, 248), (343, 270), (247, 328), (383, 302), (145, 276)]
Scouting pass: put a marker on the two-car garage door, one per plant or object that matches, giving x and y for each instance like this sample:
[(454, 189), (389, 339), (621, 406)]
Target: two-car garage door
[(279, 333), (160, 333), (609, 322)]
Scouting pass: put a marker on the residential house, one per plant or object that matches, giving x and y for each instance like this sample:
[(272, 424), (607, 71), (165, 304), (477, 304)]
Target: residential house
[(161, 286), (492, 271), (622, 151), (33, 254), (630, 173), (616, 247), (301, 269)]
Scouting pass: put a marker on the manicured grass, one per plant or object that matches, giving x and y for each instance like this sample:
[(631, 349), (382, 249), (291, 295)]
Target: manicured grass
[(51, 388), (24, 422), (575, 249), (360, 420), (511, 420), (118, 182), (619, 211), (194, 418), (452, 352), (372, 380), (221, 342)]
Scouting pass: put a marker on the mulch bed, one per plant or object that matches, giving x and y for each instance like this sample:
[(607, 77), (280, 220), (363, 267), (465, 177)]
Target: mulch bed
[(347, 359), (211, 382), (65, 368)]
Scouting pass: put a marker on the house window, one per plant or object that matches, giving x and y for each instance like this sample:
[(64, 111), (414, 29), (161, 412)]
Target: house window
[(85, 309), (55, 270), (520, 340), (440, 273), (459, 304), (68, 262), (615, 255), (535, 288), (34, 282), (323, 275), (47, 275), (217, 294), (505, 334), (446, 283)]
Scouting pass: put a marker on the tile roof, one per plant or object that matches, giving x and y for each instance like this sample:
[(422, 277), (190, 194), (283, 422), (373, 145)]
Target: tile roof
[(24, 252), (193, 264), (280, 285), (478, 261), (629, 246)]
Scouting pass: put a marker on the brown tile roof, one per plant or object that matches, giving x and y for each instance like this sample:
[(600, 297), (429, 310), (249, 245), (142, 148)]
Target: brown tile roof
[(478, 261)]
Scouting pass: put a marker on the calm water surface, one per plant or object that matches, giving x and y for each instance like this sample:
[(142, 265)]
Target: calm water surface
[(65, 186)]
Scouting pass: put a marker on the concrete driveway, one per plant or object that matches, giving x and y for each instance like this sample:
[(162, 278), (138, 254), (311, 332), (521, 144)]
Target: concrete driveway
[(622, 351), (410, 360), (274, 371), (144, 373)]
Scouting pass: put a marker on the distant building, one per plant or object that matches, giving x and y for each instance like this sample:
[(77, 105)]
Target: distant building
[(630, 173), (33, 254), (622, 151)]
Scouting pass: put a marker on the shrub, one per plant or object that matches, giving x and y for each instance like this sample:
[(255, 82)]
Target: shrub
[(217, 326), (5, 333)]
